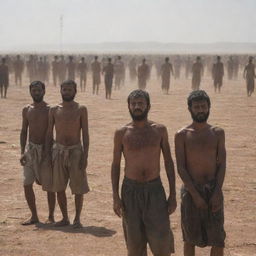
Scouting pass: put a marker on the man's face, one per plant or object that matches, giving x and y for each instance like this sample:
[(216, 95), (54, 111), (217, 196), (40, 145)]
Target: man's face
[(68, 92), (199, 111), (138, 108), (37, 93)]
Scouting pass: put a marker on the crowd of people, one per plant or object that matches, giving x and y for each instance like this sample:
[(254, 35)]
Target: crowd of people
[(56, 69)]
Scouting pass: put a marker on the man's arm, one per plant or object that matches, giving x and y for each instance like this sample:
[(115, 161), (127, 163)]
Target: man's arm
[(169, 167), (183, 173), (23, 135), (216, 199), (49, 133), (85, 135), (115, 172)]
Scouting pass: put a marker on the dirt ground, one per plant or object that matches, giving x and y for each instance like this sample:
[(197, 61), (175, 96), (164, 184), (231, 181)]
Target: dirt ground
[(102, 233)]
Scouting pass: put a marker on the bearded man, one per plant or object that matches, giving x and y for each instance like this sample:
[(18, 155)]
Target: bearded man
[(201, 163), (143, 205)]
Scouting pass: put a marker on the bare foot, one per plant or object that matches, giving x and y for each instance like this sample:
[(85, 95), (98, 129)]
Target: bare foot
[(50, 220), (77, 224), (62, 223), (30, 221)]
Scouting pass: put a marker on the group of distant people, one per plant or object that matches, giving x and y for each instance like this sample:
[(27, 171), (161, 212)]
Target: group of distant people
[(39, 68), (54, 161)]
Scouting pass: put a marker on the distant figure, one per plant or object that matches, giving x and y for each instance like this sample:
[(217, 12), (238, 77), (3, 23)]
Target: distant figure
[(177, 66), (96, 69), (188, 67), (132, 69), (217, 74), (41, 70), (55, 70), (143, 74), (230, 68), (119, 70), (249, 75), (71, 67), (108, 71), (82, 70), (166, 70), (4, 78), (197, 73), (18, 66), (62, 70), (31, 68)]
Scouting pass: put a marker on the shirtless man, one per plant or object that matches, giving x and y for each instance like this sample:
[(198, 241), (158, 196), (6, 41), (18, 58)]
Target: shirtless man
[(201, 162), (96, 69), (35, 118), (82, 70), (143, 205), (249, 75), (67, 155), (197, 73), (143, 74), (4, 78), (166, 71), (217, 74), (108, 71)]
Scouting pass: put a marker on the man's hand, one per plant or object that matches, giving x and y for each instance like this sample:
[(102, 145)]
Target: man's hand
[(172, 204), (216, 200), (118, 206), (23, 159), (200, 203)]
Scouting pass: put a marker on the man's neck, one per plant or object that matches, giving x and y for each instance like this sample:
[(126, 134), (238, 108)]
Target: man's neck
[(199, 126), (140, 123), (38, 104), (68, 103)]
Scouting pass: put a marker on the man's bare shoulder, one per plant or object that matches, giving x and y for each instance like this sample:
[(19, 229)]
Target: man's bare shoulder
[(160, 127), (82, 107), (217, 130), (181, 133)]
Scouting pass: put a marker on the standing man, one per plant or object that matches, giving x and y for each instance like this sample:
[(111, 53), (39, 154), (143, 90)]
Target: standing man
[(68, 156), (197, 73), (119, 70), (201, 162), (96, 69), (249, 75), (18, 66), (55, 70), (217, 74), (143, 205), (166, 71), (35, 119), (143, 74), (62, 69), (71, 68), (108, 71), (82, 70), (4, 78)]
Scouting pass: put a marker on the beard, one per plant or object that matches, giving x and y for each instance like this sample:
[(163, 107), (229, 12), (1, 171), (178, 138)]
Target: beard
[(67, 98), (143, 115), (200, 117), (37, 99)]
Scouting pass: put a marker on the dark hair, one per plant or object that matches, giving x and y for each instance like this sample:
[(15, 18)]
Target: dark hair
[(69, 82), (198, 95), (167, 59), (37, 83), (139, 94)]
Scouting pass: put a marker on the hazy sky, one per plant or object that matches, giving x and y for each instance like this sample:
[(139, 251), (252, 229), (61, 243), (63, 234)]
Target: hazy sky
[(25, 22)]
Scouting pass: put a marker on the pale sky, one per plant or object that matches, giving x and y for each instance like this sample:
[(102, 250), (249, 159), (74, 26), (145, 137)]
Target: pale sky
[(25, 22)]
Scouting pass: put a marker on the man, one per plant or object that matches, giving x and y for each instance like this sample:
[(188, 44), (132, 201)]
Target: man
[(108, 72), (62, 69), (166, 71), (18, 66), (143, 204), (67, 155), (71, 68), (217, 74), (119, 70), (249, 75), (55, 70), (82, 70), (143, 74), (96, 69), (201, 162), (197, 73), (35, 119), (4, 78), (230, 67)]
